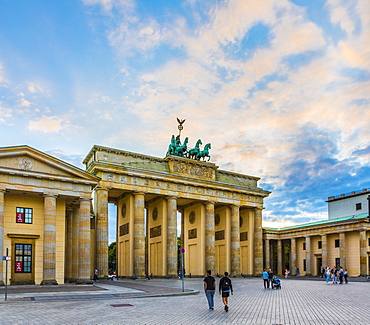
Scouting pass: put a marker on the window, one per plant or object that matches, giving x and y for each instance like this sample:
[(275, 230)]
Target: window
[(304, 265), (319, 244), (358, 206), (23, 215), (337, 262), (337, 244), (23, 258), (304, 246)]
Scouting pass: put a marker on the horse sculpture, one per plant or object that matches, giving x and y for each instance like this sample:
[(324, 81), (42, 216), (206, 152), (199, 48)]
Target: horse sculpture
[(193, 152), (171, 147), (182, 149), (204, 153)]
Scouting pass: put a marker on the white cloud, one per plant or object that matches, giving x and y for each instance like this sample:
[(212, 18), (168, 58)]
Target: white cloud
[(47, 124)]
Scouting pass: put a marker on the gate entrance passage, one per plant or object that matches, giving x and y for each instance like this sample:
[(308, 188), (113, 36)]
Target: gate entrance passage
[(221, 215)]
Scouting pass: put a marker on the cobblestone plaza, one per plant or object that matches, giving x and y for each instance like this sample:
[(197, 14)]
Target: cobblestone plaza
[(298, 302)]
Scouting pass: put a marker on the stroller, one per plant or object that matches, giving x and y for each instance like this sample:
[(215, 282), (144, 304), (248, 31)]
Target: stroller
[(276, 283)]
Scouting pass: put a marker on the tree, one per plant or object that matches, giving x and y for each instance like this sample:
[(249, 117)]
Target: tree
[(112, 256)]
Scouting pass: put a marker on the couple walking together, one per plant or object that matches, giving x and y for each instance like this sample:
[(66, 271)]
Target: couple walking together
[(224, 288)]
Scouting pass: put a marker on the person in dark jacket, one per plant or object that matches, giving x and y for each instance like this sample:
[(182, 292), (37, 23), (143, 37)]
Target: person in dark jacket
[(209, 289), (225, 287), (270, 276)]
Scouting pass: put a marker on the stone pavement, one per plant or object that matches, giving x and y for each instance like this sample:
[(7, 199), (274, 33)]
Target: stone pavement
[(298, 302)]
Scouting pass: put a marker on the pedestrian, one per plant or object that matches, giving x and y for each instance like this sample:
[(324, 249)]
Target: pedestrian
[(341, 274), (286, 273), (297, 273), (265, 277), (345, 276), (209, 283), (323, 272), (96, 275), (225, 287), (327, 274), (271, 275), (334, 277)]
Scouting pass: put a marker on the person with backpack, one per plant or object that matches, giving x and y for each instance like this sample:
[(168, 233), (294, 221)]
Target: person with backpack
[(209, 289), (225, 287)]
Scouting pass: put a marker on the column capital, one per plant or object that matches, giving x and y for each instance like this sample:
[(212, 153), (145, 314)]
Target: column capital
[(98, 188), (138, 193), (171, 197), (50, 195)]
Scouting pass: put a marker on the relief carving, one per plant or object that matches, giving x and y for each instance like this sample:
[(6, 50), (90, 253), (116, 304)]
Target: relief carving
[(25, 163), (155, 232), (192, 170)]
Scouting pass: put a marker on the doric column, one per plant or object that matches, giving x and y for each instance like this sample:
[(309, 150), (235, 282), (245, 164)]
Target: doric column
[(267, 253), (102, 231), (75, 242), (139, 235), (2, 251), (68, 249), (293, 255), (210, 237), (172, 236), (84, 266), (49, 256), (342, 249), (324, 250), (308, 256), (279, 257), (257, 242), (235, 240), (363, 253)]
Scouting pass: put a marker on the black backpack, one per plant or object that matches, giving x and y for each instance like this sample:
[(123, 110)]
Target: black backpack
[(225, 284)]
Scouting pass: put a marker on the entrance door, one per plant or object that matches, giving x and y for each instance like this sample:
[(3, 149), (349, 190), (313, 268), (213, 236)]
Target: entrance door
[(319, 266), (221, 259), (22, 266)]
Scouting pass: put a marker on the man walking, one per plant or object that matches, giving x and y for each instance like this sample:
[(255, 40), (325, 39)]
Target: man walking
[(225, 287), (209, 289)]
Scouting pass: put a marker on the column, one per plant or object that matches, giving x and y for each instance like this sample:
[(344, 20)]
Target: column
[(293, 256), (172, 236), (75, 243), (68, 249), (139, 236), (308, 256), (210, 237), (324, 250), (363, 253), (49, 255), (2, 250), (267, 253), (257, 242), (84, 266), (279, 258), (342, 249), (235, 240), (102, 231)]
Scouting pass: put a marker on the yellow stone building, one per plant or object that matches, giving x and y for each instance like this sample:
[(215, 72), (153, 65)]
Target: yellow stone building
[(45, 207), (309, 247), (221, 214)]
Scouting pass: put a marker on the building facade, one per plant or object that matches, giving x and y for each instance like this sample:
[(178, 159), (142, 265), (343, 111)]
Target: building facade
[(342, 240), (45, 218), (353, 203)]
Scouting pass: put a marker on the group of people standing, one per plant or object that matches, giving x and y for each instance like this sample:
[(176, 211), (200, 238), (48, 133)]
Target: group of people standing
[(267, 276), (334, 274), (224, 288)]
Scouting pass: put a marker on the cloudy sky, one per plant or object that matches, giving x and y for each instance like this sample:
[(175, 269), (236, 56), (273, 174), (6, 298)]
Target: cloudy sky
[(280, 88)]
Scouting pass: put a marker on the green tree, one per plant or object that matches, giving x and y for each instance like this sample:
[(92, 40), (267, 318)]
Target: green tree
[(112, 256)]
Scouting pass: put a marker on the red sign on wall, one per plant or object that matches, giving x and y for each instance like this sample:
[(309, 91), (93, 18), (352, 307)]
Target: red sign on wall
[(18, 266), (20, 217)]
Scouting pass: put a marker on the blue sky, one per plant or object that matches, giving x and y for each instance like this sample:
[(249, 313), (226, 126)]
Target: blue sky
[(280, 88)]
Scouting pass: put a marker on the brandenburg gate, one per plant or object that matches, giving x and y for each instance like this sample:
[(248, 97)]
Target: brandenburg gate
[(221, 213)]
